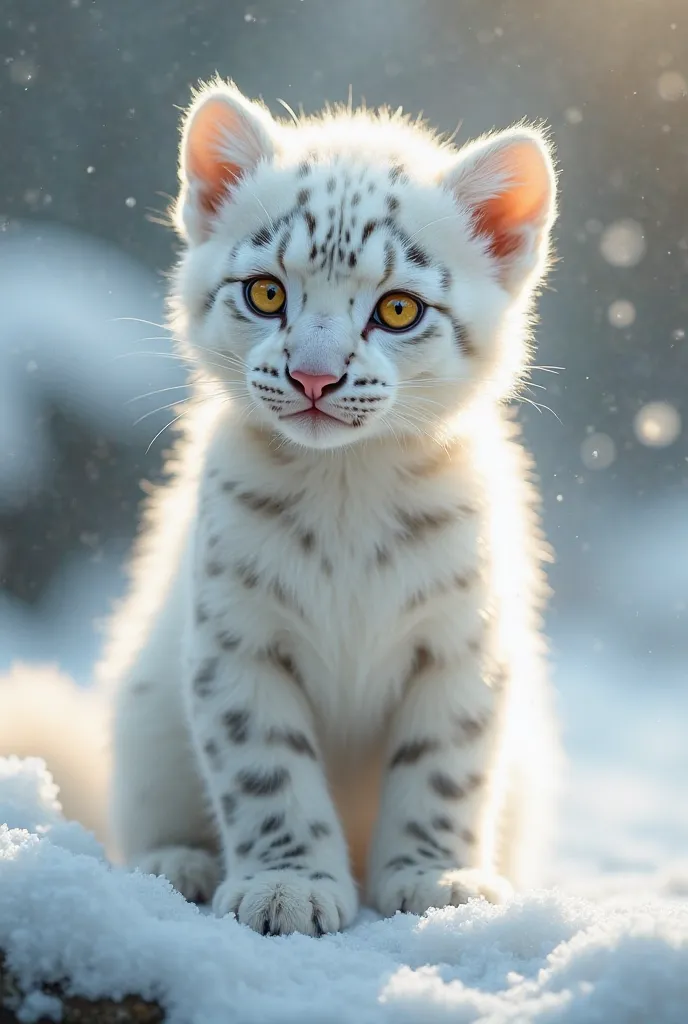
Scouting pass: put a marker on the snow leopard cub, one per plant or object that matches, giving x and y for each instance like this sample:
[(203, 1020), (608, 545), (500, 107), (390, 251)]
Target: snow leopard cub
[(329, 665)]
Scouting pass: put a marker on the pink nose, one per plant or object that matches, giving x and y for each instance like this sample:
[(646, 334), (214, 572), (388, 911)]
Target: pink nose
[(313, 384)]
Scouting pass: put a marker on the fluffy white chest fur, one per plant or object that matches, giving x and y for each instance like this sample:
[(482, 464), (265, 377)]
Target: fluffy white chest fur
[(329, 665)]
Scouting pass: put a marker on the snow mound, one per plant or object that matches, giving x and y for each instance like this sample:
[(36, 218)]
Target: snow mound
[(546, 957)]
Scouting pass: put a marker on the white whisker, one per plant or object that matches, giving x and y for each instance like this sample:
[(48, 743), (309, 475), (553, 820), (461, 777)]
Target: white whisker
[(540, 408), (138, 320), (171, 423)]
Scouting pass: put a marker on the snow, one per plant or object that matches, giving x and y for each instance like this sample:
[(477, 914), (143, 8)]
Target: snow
[(546, 957)]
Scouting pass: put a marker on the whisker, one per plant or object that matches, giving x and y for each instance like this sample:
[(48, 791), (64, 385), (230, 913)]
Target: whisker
[(254, 196), (171, 423), (138, 320), (158, 355), (184, 401), (152, 412), (440, 220), (177, 387), (536, 405)]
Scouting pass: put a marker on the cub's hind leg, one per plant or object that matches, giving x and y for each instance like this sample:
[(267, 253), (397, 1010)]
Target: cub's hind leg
[(160, 820)]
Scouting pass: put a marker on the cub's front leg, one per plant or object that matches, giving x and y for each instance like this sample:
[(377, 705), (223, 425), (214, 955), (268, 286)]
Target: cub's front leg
[(430, 848), (284, 851)]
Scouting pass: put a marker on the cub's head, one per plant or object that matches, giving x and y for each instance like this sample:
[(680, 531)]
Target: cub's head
[(350, 276)]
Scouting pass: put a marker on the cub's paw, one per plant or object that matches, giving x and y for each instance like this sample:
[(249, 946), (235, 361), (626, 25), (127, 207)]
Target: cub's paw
[(281, 902), (194, 873), (415, 890)]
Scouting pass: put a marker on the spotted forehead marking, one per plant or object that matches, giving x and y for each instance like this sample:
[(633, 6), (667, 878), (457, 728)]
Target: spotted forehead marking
[(340, 217), (338, 231)]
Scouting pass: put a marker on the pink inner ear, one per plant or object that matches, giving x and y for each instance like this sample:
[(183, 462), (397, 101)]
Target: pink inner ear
[(523, 202), (214, 122)]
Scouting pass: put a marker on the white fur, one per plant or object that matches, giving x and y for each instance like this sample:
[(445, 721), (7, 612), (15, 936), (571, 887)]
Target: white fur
[(288, 577)]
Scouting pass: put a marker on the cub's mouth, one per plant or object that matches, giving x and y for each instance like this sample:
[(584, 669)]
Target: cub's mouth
[(315, 415)]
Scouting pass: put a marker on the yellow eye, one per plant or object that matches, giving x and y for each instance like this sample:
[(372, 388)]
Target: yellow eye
[(266, 296), (397, 311)]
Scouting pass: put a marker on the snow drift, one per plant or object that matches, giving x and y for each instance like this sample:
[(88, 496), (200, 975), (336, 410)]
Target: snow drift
[(546, 958)]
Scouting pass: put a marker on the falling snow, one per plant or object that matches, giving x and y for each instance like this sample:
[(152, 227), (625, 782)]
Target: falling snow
[(657, 424), (621, 313), (598, 451), (623, 243), (672, 86)]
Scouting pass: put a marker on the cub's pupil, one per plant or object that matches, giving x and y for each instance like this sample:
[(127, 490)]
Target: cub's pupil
[(398, 307), (272, 291)]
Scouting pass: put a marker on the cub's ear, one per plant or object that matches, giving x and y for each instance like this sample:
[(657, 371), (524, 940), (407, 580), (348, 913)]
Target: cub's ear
[(224, 138), (506, 183)]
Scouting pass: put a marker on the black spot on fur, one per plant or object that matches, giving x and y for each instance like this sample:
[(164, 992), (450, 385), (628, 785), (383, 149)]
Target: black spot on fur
[(235, 312), (312, 255), (296, 741), (229, 804), (229, 485), (205, 677), (472, 728), (285, 663), (356, 198), (412, 752), (446, 787), (228, 641), (297, 851), (268, 504), (417, 831), (236, 725), (302, 196), (271, 824), (392, 203), (281, 841), (263, 236), (214, 568), (368, 229), (442, 823), (318, 876), (331, 185), (201, 614), (352, 259), (311, 222), (428, 854), (212, 752), (390, 259), (397, 863), (243, 849), (281, 249), (286, 598), (263, 783), (307, 541), (248, 575), (304, 169), (416, 255), (318, 829), (416, 526), (397, 173)]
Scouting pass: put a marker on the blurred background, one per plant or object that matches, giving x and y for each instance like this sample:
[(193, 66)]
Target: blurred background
[(90, 92)]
